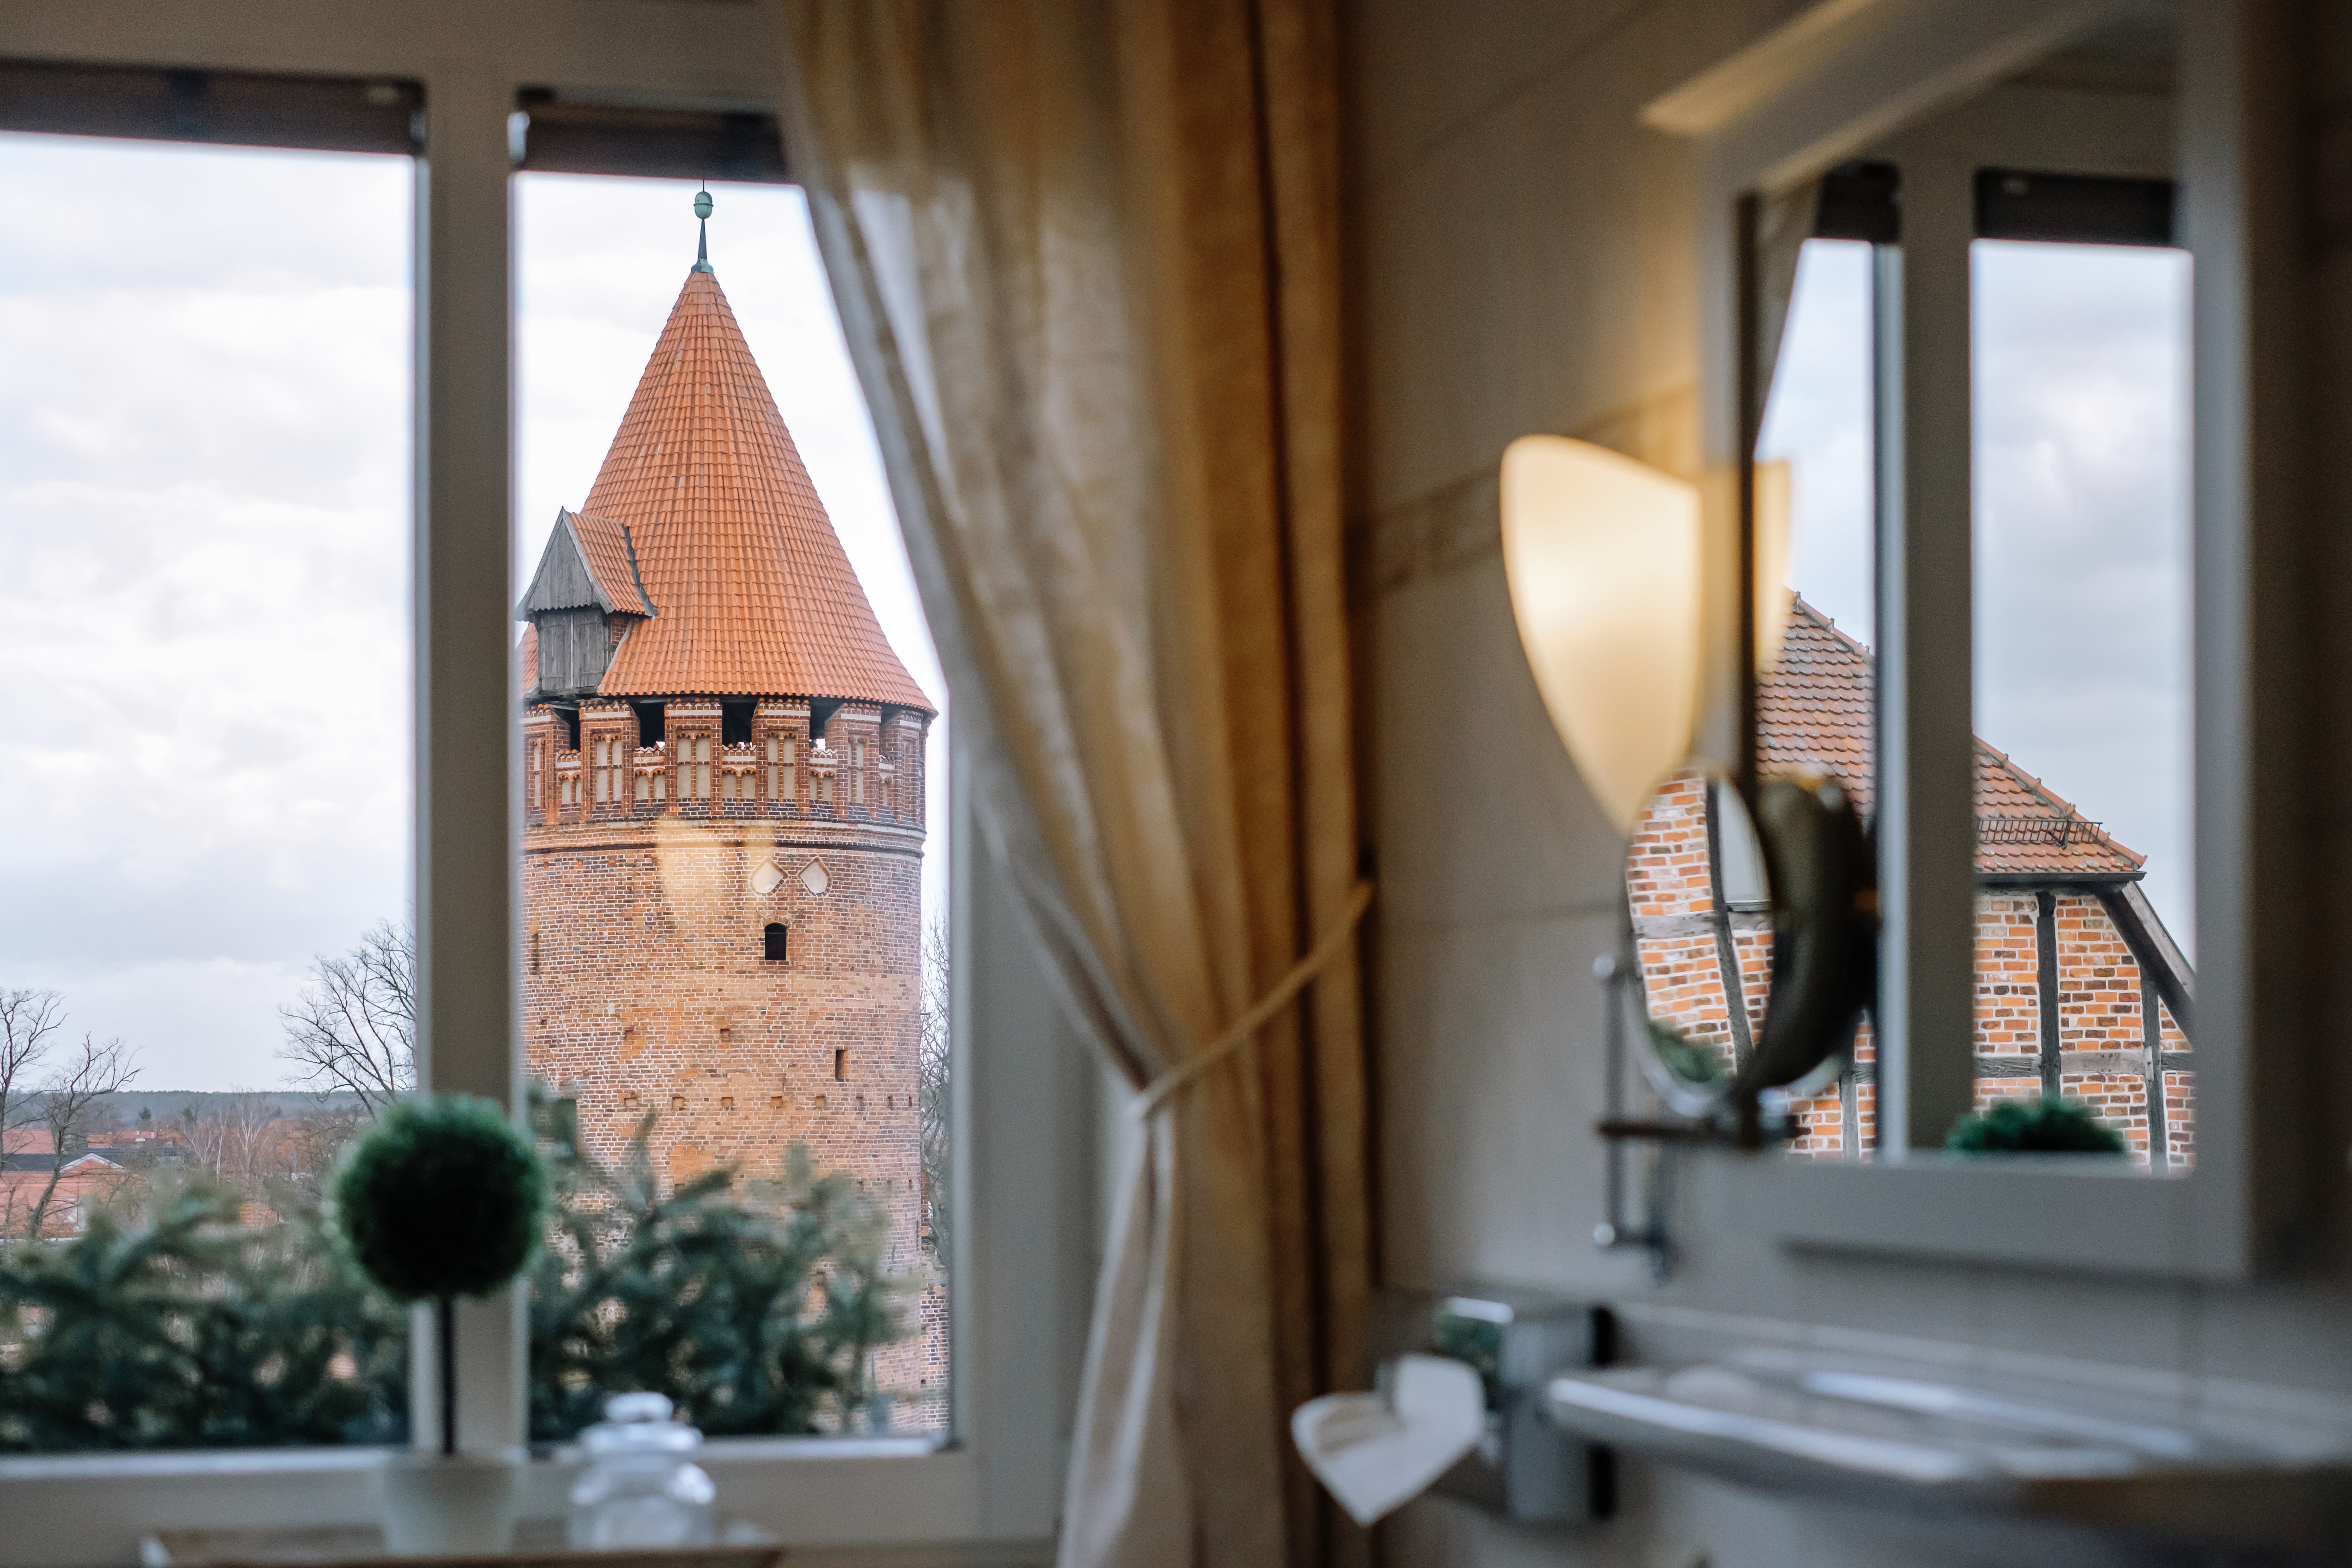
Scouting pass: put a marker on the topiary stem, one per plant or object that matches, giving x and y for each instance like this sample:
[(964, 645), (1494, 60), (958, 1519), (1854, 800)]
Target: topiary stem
[(449, 1349)]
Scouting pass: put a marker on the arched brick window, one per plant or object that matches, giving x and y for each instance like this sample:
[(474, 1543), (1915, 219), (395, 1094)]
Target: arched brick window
[(776, 937)]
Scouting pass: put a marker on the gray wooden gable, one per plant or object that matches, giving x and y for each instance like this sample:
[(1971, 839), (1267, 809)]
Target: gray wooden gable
[(562, 581), (574, 613)]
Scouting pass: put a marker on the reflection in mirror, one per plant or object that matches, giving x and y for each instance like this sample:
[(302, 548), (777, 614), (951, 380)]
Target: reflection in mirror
[(1702, 938), (2082, 660), (1695, 878), (2047, 202), (1816, 701), (1753, 946)]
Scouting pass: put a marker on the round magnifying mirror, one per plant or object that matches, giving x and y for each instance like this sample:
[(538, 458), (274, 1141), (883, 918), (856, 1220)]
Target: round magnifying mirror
[(1753, 937)]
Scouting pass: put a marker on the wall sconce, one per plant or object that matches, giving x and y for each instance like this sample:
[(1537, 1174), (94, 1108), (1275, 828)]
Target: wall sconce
[(1602, 554)]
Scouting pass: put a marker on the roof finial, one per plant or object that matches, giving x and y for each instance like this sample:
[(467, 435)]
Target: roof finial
[(702, 211)]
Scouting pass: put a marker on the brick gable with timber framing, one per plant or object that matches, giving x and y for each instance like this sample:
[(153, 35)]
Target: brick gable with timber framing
[(2076, 976)]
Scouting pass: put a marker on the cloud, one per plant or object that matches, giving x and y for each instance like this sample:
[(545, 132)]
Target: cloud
[(2081, 583), (205, 500)]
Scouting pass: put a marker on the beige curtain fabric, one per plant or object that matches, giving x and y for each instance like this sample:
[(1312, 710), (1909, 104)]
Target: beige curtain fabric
[(1086, 254)]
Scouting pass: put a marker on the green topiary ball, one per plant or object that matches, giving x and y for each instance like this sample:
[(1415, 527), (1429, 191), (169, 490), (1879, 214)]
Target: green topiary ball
[(442, 1197), (2046, 1126)]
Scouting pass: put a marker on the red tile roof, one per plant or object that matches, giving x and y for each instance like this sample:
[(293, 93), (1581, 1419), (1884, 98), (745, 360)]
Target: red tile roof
[(604, 546), (1816, 707), (751, 590)]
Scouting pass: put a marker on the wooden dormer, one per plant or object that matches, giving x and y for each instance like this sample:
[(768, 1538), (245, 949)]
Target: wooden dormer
[(583, 600)]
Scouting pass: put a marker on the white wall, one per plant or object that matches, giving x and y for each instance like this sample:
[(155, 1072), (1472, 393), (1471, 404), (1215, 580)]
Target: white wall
[(1521, 262)]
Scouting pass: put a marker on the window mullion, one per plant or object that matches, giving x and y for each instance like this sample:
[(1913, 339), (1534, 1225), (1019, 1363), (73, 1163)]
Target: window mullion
[(1926, 839), (467, 742)]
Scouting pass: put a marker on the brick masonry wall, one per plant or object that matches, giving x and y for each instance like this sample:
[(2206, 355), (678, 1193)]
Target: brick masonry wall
[(2008, 969), (647, 987), (1669, 889), (2099, 997)]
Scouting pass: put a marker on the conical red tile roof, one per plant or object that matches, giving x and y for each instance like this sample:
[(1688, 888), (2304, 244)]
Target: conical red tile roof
[(752, 592)]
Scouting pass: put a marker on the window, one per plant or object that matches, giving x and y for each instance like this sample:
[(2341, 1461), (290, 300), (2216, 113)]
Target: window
[(2070, 508), (1695, 877), (205, 962), (700, 577), (2083, 638), (1026, 1117)]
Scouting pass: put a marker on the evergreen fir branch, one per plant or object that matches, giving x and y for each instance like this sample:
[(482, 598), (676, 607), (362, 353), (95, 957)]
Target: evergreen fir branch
[(167, 1324)]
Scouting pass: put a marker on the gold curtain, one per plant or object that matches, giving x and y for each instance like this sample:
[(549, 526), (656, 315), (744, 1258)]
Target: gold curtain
[(1086, 254)]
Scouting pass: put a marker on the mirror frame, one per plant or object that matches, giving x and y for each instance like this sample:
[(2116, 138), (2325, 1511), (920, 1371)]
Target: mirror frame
[(1824, 87)]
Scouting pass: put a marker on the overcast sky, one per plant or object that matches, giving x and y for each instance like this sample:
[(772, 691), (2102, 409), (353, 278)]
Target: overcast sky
[(2082, 578), (205, 486), (203, 503)]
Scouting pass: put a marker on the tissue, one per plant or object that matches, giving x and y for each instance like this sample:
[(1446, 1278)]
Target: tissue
[(1377, 1453)]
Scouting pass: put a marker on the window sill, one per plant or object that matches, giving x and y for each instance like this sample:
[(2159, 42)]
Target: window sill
[(2051, 1212), (912, 1498)]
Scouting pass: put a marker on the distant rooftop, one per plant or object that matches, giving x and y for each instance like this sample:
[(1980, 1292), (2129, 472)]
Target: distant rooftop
[(1815, 707)]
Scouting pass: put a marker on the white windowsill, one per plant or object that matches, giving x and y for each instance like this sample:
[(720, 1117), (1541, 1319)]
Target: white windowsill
[(2052, 1212)]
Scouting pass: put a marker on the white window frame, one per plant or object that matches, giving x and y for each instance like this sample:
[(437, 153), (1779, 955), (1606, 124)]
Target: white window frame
[(1829, 85), (1024, 1095)]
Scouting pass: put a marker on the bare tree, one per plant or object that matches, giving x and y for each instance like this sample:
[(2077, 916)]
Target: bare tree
[(932, 1064), (355, 1025), (27, 1019), (207, 1139), (235, 1140), (71, 1101)]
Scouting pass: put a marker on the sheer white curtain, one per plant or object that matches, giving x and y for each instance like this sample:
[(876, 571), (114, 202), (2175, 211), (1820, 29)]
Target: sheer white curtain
[(1087, 252)]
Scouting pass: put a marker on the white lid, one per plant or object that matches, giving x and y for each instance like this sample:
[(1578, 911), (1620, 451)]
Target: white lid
[(639, 1423)]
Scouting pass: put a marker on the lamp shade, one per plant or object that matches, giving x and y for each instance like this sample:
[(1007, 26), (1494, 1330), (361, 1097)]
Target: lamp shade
[(1602, 554)]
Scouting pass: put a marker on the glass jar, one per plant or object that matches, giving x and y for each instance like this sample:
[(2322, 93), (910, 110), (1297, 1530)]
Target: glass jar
[(640, 1489)]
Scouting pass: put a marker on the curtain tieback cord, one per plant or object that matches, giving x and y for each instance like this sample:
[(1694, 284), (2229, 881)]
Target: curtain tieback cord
[(1156, 1093)]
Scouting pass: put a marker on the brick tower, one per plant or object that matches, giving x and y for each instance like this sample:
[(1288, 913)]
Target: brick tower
[(723, 799)]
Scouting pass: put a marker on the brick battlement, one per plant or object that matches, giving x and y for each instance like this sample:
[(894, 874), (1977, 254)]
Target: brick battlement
[(866, 768)]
